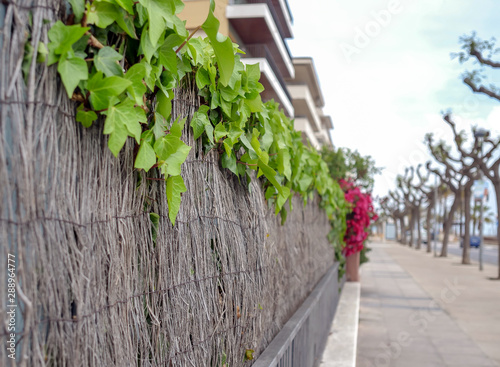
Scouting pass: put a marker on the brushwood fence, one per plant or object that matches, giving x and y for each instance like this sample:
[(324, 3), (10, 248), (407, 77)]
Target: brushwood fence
[(96, 283)]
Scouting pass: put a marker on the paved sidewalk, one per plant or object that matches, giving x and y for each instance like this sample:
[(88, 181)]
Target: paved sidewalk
[(416, 310)]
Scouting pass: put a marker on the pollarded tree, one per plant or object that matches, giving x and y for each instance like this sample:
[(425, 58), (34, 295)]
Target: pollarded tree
[(489, 163), (388, 209), (482, 52), (430, 195), (400, 211), (460, 173), (414, 200)]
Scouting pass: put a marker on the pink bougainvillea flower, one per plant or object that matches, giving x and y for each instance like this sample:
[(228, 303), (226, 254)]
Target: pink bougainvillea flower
[(360, 218)]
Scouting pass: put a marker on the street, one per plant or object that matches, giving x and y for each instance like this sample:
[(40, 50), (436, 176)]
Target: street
[(490, 252)]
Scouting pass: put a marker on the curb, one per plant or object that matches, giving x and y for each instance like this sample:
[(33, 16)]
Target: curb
[(341, 346)]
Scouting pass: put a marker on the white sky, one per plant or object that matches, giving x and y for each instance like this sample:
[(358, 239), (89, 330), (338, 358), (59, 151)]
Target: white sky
[(384, 98)]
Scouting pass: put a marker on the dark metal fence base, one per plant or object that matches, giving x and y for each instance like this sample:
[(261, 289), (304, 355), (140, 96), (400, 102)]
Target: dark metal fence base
[(302, 340)]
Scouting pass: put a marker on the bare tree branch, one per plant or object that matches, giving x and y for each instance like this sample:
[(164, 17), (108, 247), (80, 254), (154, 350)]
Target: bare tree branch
[(483, 60), (481, 89)]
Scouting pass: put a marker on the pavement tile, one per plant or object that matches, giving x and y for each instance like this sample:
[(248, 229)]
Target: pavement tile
[(410, 316)]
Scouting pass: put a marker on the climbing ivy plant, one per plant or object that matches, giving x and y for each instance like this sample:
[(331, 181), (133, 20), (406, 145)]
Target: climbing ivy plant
[(122, 59)]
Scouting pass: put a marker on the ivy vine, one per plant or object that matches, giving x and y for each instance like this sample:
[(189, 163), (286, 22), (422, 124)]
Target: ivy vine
[(122, 59)]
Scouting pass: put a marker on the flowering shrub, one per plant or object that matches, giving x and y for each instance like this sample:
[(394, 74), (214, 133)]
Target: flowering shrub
[(359, 219)]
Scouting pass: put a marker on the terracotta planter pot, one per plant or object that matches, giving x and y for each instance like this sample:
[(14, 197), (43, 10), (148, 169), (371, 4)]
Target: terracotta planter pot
[(352, 267)]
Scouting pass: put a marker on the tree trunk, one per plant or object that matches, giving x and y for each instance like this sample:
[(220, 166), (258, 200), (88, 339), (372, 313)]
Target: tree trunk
[(419, 229), (496, 185), (462, 209), (447, 226), (429, 229), (466, 238), (474, 222), (403, 232), (495, 181), (395, 227), (412, 226)]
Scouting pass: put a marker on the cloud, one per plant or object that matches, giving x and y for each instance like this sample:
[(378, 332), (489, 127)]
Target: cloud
[(391, 93)]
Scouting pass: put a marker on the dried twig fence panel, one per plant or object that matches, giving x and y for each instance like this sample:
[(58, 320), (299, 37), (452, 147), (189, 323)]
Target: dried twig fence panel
[(93, 286)]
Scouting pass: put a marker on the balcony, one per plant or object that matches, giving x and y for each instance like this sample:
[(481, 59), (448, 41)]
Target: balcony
[(326, 121), (304, 105), (279, 10), (323, 137), (305, 73), (258, 22), (308, 135)]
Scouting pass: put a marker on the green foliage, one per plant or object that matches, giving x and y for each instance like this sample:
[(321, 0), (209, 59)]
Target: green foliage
[(125, 66), (155, 220), (222, 45), (175, 188), (343, 163)]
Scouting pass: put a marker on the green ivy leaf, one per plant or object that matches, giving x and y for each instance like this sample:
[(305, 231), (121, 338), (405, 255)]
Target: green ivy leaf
[(284, 166), (123, 120), (304, 182), (117, 140), (162, 14), (62, 38), (155, 222), (159, 126), (125, 114), (228, 146), (147, 48), (102, 90), (152, 76), (196, 50), (166, 53), (253, 72), (86, 118), (222, 45), (254, 104), (173, 152), (283, 214), (199, 121), (126, 22), (229, 162), (271, 176), (267, 137), (220, 131), (209, 130), (102, 14), (230, 93), (226, 107), (137, 89), (128, 5), (175, 188), (202, 78), (146, 157), (72, 69), (78, 7), (106, 61), (42, 52), (27, 60), (234, 133), (251, 151), (177, 127), (164, 105)]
